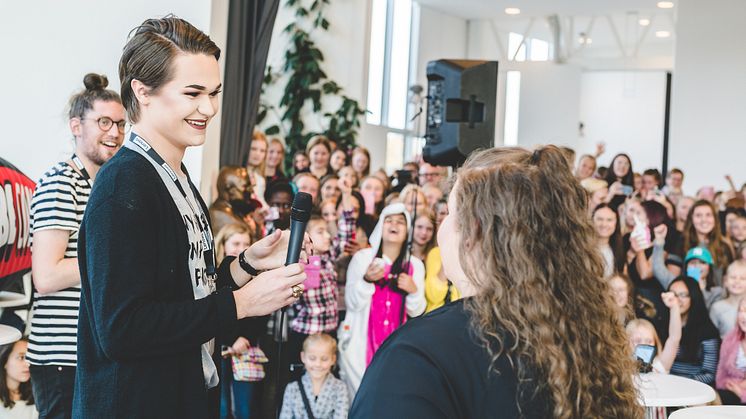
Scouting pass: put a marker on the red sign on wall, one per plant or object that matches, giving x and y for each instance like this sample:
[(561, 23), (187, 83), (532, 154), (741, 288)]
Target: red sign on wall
[(16, 190)]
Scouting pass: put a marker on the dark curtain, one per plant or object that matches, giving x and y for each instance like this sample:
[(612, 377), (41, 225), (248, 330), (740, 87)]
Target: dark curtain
[(250, 25)]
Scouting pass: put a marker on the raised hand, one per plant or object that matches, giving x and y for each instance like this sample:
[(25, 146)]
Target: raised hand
[(660, 234)]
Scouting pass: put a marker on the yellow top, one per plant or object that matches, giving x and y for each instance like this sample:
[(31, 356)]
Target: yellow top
[(436, 286)]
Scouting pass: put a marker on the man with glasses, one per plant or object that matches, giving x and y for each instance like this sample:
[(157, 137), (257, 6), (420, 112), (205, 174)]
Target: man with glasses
[(97, 123), (432, 175)]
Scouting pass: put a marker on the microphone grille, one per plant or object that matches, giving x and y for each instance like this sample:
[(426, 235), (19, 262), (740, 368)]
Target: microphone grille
[(302, 205)]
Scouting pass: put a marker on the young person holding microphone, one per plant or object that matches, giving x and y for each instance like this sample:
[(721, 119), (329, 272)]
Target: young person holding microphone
[(153, 302)]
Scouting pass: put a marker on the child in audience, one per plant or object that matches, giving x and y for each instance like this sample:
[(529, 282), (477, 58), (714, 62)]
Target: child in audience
[(423, 237), (407, 197), (622, 291), (15, 395), (349, 175), (318, 394), (698, 265), (731, 373), (697, 357), (642, 332), (301, 163), (737, 231), (723, 312), (441, 211), (236, 397), (328, 208), (316, 310), (384, 287)]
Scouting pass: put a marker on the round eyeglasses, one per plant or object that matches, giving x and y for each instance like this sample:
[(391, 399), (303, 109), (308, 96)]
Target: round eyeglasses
[(105, 123)]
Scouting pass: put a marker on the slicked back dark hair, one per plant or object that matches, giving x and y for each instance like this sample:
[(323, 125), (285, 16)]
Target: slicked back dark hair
[(149, 54)]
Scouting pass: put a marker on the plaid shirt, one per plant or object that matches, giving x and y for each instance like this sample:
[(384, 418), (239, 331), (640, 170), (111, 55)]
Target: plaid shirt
[(316, 310)]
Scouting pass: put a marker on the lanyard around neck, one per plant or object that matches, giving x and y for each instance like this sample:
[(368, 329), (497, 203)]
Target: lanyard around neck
[(79, 165), (207, 240)]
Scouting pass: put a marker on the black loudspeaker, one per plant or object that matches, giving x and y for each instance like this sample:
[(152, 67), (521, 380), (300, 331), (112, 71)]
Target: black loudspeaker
[(461, 109)]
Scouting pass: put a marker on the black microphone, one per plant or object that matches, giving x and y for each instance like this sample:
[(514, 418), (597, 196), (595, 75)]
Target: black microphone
[(300, 213), (299, 216)]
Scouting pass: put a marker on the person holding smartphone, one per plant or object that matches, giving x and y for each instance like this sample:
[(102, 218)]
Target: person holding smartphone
[(153, 300)]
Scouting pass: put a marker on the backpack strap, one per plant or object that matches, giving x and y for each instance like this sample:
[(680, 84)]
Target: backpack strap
[(306, 403)]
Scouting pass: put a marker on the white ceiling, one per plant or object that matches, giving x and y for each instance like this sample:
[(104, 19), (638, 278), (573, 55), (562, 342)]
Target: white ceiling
[(495, 9), (611, 19)]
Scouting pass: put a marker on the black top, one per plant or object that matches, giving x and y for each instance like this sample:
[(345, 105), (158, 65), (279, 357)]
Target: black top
[(434, 367), (140, 329)]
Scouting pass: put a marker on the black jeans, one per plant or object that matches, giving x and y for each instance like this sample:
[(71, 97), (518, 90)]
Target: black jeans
[(53, 387)]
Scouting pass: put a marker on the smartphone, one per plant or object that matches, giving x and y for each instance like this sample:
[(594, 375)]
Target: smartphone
[(627, 190), (313, 273), (645, 353), (694, 272), (642, 233)]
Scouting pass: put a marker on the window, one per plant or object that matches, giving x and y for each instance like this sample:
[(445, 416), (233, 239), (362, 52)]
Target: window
[(388, 63), (512, 107), (533, 49)]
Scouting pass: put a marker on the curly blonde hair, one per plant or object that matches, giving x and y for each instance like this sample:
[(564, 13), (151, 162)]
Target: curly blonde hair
[(529, 250)]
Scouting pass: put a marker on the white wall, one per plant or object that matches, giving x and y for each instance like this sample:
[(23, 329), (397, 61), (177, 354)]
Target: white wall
[(50, 45), (626, 110), (549, 96), (344, 47), (708, 105), (549, 104)]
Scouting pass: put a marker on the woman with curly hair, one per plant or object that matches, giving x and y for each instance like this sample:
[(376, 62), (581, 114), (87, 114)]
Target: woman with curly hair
[(536, 334)]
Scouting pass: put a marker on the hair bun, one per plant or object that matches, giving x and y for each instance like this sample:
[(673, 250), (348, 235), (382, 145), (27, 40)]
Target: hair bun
[(93, 81)]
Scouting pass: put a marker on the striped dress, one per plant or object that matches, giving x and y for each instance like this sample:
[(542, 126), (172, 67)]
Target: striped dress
[(58, 204)]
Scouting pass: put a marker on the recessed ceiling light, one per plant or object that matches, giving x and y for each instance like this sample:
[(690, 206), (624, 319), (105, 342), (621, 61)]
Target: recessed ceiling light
[(512, 11), (665, 4), (644, 22), (662, 34)]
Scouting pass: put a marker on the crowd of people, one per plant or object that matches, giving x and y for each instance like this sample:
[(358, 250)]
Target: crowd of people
[(674, 263), (674, 267)]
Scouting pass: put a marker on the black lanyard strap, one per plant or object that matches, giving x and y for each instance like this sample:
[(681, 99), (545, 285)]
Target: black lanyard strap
[(207, 240)]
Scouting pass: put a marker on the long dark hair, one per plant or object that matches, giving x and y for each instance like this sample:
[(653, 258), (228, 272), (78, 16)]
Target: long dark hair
[(627, 179), (23, 388), (719, 246), (698, 326), (400, 265), (615, 241)]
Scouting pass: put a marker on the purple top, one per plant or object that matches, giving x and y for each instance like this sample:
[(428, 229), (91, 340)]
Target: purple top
[(386, 313)]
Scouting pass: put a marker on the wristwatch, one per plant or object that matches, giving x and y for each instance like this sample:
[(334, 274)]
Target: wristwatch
[(246, 266)]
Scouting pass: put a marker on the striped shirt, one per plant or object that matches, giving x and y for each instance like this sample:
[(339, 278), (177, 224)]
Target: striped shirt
[(58, 204), (705, 370)]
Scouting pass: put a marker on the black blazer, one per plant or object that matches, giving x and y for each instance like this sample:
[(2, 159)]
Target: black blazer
[(140, 328)]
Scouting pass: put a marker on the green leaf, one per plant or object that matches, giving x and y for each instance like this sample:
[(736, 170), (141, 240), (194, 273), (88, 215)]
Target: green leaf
[(301, 12), (325, 24), (273, 130)]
